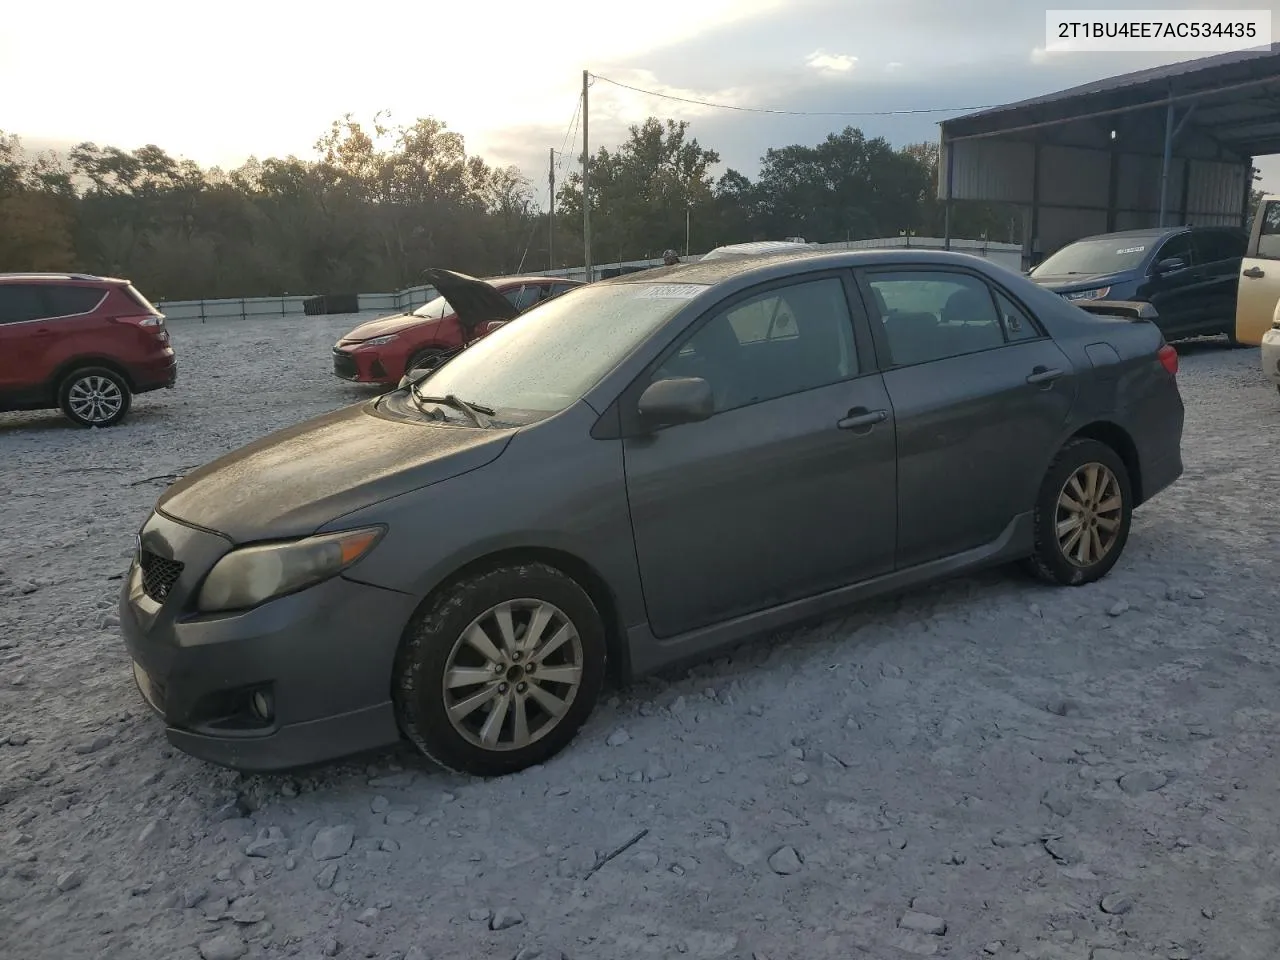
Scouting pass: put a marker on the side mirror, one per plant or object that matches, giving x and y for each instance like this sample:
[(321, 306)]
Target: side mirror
[(1170, 265), (666, 403)]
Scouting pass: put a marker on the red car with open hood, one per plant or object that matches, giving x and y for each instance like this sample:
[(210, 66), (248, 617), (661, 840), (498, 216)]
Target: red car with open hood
[(383, 350)]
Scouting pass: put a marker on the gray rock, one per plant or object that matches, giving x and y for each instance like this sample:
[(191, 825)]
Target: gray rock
[(1063, 850), (1195, 593), (388, 845), (215, 910), (333, 842), (1142, 781), (379, 804), (367, 917), (480, 914), (225, 946), (69, 880), (955, 859), (1013, 838), (618, 738), (923, 923), (786, 862), (19, 739), (290, 863), (656, 771), (1058, 802), (1062, 707), (799, 779), (398, 818), (289, 789), (100, 742), (1119, 608), (259, 931), (192, 897), (1207, 913), (154, 835), (504, 918), (269, 843), (994, 947), (1116, 904), (247, 910), (331, 946), (326, 876)]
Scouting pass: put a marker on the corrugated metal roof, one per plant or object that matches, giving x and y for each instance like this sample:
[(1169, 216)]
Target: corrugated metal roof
[(1187, 76)]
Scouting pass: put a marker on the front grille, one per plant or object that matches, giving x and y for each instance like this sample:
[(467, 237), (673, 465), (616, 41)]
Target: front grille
[(344, 365), (158, 575)]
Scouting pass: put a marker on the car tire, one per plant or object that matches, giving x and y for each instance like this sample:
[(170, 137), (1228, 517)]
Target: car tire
[(1061, 556), (94, 397), (446, 644)]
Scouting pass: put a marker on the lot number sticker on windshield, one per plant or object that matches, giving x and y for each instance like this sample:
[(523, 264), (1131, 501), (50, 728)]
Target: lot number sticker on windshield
[(1121, 253), (671, 291)]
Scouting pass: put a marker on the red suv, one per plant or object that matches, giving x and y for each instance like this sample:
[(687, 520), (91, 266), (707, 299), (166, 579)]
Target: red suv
[(385, 349), (80, 343)]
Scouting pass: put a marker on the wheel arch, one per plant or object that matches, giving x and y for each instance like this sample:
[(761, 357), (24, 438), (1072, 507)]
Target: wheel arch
[(572, 566), (1118, 439), (67, 367)]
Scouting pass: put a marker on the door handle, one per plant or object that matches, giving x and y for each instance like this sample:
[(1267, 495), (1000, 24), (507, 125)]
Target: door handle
[(1043, 375), (861, 417), (1254, 273)]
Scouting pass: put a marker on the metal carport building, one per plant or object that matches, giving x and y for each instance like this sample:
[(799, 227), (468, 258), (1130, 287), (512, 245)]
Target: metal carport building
[(1169, 145)]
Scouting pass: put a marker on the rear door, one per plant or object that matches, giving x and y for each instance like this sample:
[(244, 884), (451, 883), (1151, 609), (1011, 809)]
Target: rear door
[(25, 338), (979, 394), (1219, 251), (1259, 274)]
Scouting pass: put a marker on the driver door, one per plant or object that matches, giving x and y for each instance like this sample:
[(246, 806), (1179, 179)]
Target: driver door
[(789, 488)]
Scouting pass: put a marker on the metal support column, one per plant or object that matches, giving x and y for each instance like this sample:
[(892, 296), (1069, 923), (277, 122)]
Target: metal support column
[(946, 222), (1166, 162)]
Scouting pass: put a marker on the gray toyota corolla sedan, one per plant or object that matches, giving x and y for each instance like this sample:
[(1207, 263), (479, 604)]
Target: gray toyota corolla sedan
[(641, 471)]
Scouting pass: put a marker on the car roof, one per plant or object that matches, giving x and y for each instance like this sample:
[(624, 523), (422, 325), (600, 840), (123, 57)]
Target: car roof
[(41, 277)]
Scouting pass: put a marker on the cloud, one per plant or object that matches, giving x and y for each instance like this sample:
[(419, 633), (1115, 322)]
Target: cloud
[(831, 62), (893, 65), (1039, 55)]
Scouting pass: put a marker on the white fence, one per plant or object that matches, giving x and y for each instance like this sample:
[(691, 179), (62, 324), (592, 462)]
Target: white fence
[(265, 308)]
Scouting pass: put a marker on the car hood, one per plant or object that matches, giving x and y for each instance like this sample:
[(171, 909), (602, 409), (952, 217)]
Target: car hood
[(1071, 282), (474, 301), (290, 483), (383, 326)]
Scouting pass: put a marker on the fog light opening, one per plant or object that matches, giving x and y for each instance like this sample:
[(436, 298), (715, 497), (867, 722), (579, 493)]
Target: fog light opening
[(262, 706)]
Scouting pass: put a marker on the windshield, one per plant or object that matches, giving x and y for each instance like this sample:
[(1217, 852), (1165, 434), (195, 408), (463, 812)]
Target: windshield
[(1102, 255), (550, 357), (434, 309)]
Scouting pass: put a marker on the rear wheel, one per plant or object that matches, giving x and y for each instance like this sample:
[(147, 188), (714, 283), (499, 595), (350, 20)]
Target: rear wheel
[(1082, 515), (94, 397), (499, 672)]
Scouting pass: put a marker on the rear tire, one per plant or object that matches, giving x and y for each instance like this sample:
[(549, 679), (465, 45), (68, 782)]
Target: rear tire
[(94, 397), (473, 697), (1082, 515)]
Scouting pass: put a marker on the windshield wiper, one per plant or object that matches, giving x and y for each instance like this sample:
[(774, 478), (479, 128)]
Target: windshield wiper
[(478, 413)]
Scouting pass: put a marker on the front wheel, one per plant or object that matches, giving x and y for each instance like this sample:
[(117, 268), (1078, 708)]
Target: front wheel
[(1082, 515), (94, 397), (427, 359), (499, 671)]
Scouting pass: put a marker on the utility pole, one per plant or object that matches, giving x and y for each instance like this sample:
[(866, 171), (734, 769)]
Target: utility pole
[(551, 212), (586, 183)]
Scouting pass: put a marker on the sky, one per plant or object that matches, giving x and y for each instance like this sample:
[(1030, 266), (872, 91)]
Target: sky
[(268, 77)]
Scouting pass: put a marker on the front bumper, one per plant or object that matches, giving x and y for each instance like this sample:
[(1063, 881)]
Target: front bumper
[(1270, 352), (322, 658), (366, 367)]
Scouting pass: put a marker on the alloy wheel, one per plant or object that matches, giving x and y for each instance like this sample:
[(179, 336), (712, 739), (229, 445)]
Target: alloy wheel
[(1089, 513), (513, 674), (95, 399)]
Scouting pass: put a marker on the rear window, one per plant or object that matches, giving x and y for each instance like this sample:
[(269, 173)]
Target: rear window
[(69, 301), (139, 299), (21, 301)]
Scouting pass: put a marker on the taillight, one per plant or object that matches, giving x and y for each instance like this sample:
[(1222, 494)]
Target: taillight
[(1169, 359)]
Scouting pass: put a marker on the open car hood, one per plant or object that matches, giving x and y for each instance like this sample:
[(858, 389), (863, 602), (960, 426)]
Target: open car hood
[(475, 302)]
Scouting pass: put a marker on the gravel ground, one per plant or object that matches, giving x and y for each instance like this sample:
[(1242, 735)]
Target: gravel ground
[(985, 768)]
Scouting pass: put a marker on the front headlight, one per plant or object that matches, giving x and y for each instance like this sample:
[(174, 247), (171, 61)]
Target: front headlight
[(252, 575), (379, 341), (1095, 294)]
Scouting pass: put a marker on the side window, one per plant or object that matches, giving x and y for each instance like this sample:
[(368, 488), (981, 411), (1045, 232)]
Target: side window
[(21, 301), (1214, 246), (785, 341), (68, 301), (932, 315), (1179, 247), (522, 298), (1017, 325), (560, 288), (1269, 240)]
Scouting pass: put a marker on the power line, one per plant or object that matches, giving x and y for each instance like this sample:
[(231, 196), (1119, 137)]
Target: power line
[(795, 113)]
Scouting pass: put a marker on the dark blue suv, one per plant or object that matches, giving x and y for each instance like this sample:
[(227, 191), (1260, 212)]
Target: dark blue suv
[(1189, 275)]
